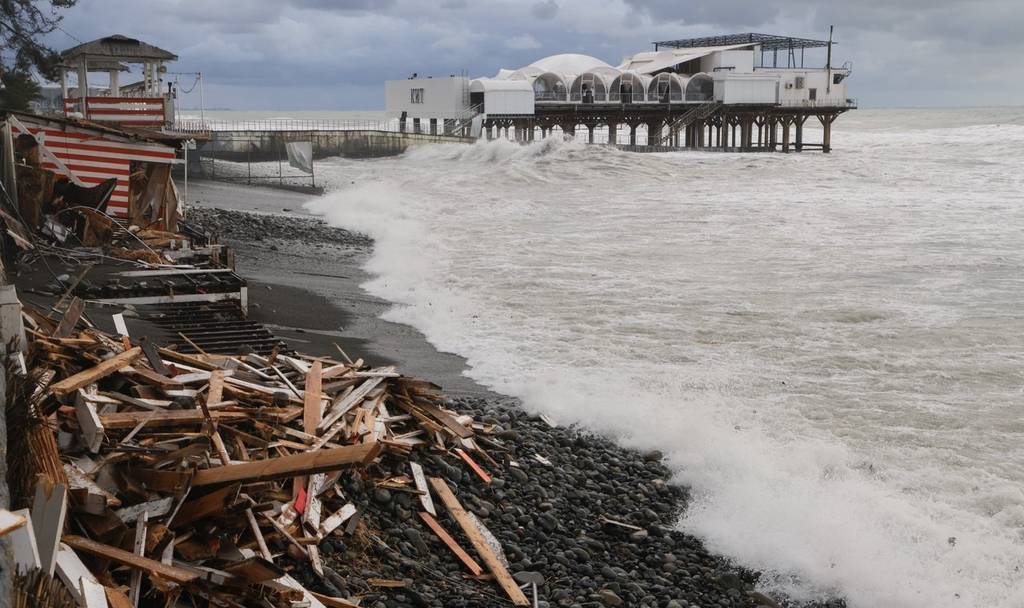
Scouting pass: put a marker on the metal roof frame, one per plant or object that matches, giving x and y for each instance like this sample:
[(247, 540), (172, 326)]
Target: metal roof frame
[(768, 42)]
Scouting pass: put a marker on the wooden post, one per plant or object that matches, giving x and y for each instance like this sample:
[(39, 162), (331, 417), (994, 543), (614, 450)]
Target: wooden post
[(785, 133), (632, 135), (590, 134), (612, 128), (800, 133)]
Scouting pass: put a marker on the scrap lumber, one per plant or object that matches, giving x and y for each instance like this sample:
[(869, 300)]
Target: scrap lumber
[(478, 540), (49, 508), (9, 522), (140, 550), (70, 318), (127, 420), (88, 376), (23, 543), (473, 465), (72, 572), (318, 461), (127, 558)]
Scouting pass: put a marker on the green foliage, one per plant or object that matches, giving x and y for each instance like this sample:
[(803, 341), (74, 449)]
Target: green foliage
[(19, 89), (22, 23)]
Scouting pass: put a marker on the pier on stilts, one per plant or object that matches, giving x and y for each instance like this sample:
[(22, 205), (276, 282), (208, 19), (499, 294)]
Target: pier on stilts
[(738, 92)]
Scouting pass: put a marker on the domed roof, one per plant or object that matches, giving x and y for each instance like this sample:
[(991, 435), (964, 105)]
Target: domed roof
[(569, 63)]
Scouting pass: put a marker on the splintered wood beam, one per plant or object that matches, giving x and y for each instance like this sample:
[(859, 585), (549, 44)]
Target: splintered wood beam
[(214, 395), (349, 401), (127, 420), (312, 413), (477, 539), (303, 463), (140, 550), (421, 485), (88, 376), (449, 542), (127, 558), (70, 318)]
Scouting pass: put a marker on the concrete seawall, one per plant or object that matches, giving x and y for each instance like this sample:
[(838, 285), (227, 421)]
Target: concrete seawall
[(260, 146)]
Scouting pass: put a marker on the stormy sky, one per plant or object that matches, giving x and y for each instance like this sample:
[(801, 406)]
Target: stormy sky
[(335, 54)]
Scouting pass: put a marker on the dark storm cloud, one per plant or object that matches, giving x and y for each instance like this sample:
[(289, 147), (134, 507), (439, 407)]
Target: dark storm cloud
[(336, 53)]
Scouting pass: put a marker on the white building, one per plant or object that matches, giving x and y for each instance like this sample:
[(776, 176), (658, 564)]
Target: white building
[(732, 70)]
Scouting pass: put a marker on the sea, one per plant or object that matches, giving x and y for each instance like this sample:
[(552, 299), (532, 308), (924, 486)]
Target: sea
[(827, 348)]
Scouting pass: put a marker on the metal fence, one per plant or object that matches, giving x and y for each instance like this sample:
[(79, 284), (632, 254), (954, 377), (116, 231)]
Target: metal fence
[(251, 159)]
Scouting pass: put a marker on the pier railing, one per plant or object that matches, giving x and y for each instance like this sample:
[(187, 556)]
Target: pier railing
[(284, 124)]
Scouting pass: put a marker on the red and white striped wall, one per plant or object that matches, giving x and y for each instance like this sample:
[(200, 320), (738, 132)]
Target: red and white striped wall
[(126, 111), (94, 156)]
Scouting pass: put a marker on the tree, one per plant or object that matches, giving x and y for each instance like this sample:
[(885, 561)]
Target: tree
[(22, 24), (17, 90)]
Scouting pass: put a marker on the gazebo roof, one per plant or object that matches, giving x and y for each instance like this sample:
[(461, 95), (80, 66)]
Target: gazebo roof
[(117, 48)]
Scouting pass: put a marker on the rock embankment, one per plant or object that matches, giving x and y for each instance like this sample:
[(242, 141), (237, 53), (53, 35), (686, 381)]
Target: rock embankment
[(253, 227)]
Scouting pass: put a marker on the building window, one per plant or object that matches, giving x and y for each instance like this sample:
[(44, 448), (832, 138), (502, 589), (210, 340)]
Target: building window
[(812, 94), (416, 96)]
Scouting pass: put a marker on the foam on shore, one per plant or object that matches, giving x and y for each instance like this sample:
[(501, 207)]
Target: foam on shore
[(829, 363)]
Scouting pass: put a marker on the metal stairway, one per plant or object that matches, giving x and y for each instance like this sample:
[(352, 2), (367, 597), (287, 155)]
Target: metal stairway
[(694, 114), (461, 125)]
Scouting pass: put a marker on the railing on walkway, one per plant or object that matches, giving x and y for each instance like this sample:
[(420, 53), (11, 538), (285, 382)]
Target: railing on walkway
[(819, 103), (284, 124)]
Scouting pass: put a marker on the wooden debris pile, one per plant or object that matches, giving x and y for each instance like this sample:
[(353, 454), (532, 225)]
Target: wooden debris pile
[(164, 478)]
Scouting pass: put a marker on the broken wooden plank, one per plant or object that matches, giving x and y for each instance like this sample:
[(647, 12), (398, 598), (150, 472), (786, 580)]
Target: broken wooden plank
[(479, 542), (94, 595), (482, 474), (339, 408), (127, 558), (153, 357), (49, 508), (89, 422), (260, 541), (23, 543), (9, 522), (421, 485), (88, 376), (70, 318), (319, 461), (135, 588), (451, 543), (214, 395), (127, 420), (155, 508), (72, 571), (331, 523), (312, 412)]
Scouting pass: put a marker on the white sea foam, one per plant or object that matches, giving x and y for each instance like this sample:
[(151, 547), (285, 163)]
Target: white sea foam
[(828, 349)]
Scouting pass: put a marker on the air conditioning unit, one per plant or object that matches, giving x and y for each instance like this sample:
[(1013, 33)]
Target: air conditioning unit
[(799, 82), (789, 85)]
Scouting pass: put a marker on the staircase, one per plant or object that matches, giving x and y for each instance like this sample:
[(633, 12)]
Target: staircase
[(694, 114), (462, 123)]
